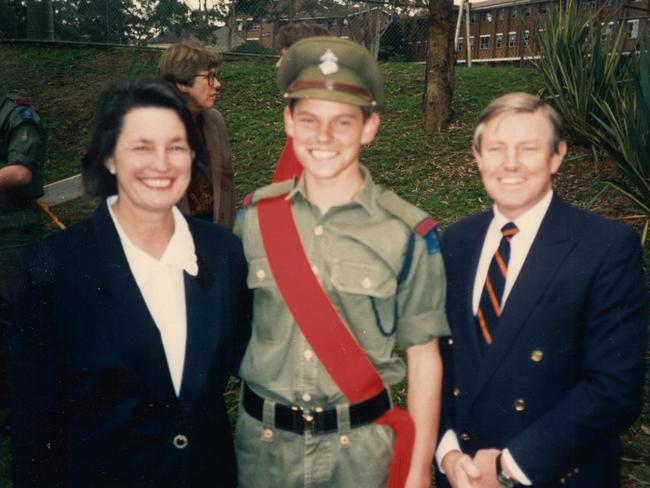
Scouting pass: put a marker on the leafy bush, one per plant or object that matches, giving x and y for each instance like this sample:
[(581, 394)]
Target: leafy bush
[(253, 47), (602, 93), (577, 67), (624, 132)]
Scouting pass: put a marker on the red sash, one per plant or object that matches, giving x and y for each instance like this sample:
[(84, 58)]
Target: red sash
[(326, 333), (288, 164)]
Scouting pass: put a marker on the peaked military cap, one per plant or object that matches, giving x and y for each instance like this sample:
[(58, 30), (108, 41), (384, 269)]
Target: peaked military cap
[(331, 68)]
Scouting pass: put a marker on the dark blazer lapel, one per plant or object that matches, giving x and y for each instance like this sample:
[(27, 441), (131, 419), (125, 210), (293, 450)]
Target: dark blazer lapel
[(136, 335), (204, 309), (551, 245), (471, 252)]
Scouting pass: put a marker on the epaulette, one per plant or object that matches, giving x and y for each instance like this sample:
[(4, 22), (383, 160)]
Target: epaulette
[(268, 191), (272, 190), (418, 220), (248, 199)]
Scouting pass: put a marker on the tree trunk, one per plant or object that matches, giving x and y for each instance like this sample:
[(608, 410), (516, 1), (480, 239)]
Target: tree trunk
[(440, 60)]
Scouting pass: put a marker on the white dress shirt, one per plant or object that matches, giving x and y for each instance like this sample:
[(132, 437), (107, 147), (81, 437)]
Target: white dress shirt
[(528, 225), (163, 288)]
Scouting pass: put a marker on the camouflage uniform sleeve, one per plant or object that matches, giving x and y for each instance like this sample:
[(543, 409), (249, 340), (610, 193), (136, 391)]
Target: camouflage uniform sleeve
[(25, 147), (421, 296)]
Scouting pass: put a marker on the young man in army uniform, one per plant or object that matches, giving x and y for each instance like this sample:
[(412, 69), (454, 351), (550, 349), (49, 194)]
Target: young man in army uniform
[(376, 258), (22, 150)]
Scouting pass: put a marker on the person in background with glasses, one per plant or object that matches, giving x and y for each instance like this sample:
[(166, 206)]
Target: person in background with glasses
[(191, 67)]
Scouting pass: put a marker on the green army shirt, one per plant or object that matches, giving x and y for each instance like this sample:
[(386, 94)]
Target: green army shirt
[(357, 251), (22, 141)]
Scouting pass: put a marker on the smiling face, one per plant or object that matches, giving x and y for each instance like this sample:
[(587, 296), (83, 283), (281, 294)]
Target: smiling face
[(516, 160), (203, 92), (327, 138), (152, 162)]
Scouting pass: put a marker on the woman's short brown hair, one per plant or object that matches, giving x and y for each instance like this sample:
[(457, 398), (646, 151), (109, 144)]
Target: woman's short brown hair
[(181, 62)]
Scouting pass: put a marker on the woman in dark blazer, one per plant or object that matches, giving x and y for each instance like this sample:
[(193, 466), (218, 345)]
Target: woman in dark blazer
[(128, 324)]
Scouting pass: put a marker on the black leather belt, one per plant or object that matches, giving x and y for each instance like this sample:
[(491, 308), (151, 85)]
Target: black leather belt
[(317, 421)]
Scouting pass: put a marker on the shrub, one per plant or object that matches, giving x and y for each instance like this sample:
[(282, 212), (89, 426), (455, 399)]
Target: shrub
[(602, 93)]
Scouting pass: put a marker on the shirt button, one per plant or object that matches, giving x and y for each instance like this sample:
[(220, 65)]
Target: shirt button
[(366, 283), (464, 436), (520, 405), (537, 355), (308, 354), (450, 341), (260, 273), (306, 397), (180, 441), (456, 391), (315, 269), (318, 230)]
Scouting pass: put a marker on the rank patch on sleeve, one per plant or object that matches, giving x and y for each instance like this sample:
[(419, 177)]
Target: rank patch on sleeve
[(428, 229), (26, 114)]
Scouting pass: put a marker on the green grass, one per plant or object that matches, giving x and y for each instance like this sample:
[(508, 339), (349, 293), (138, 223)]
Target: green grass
[(435, 171)]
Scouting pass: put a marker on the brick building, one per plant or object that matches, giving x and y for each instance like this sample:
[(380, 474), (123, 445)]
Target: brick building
[(501, 30)]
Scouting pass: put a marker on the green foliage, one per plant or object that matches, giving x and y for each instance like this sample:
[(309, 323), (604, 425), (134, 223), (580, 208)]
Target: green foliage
[(12, 19), (577, 67), (602, 93), (391, 45), (624, 132), (253, 47)]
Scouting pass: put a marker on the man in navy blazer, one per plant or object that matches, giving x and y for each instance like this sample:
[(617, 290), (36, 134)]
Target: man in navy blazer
[(547, 307)]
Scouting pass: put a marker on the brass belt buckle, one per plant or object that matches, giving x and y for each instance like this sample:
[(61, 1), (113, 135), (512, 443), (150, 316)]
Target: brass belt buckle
[(308, 420)]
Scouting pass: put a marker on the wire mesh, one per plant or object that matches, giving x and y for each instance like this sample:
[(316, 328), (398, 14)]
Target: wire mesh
[(389, 29)]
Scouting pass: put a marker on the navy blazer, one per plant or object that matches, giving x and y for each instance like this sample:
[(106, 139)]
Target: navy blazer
[(564, 375), (93, 400)]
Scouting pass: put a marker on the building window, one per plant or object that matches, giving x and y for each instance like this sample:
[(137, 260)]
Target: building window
[(499, 41), (461, 43), (543, 9), (471, 42), (632, 29), (612, 3), (501, 14), (587, 4), (512, 39), (484, 42), (526, 37), (513, 12), (606, 32), (486, 16), (527, 11), (472, 18)]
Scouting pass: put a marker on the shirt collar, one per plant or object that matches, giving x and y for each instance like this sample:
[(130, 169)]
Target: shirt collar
[(364, 197), (528, 222), (179, 253)]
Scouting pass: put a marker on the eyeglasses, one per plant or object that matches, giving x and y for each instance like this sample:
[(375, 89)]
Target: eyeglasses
[(211, 76)]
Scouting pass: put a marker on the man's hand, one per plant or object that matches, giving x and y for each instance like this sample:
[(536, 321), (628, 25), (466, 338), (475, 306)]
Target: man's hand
[(13, 176), (461, 470), (485, 461)]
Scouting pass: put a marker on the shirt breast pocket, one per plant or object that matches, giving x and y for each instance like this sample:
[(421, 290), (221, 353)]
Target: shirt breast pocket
[(367, 295), (259, 274), (271, 322)]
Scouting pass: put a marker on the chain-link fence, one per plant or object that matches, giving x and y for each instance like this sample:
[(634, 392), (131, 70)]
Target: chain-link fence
[(389, 29)]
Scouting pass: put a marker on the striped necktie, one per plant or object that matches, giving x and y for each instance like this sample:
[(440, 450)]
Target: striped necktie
[(489, 307)]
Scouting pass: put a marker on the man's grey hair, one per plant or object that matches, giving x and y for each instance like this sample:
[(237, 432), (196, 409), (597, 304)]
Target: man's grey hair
[(519, 102)]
